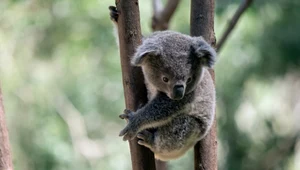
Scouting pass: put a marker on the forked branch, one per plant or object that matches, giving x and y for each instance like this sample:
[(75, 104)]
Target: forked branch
[(163, 14)]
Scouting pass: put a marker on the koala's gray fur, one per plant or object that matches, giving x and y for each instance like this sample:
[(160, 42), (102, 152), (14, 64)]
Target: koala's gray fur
[(180, 112)]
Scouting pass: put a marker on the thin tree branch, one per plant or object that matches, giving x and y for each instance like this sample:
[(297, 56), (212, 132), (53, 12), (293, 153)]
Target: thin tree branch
[(242, 8), (161, 16), (5, 155), (88, 148)]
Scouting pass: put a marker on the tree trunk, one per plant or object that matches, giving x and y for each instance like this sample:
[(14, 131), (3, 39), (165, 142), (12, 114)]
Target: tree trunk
[(5, 156), (161, 165), (133, 81), (202, 24)]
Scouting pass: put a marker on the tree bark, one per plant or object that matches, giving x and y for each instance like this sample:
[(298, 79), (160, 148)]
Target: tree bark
[(133, 81), (5, 155), (202, 24)]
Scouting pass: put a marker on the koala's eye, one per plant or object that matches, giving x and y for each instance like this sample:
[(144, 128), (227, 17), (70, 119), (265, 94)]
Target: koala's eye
[(165, 79), (189, 80)]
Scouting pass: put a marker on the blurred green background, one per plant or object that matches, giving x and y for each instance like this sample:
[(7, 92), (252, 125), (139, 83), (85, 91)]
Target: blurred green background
[(61, 80)]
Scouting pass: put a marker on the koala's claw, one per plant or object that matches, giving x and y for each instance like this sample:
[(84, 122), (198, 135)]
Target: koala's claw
[(126, 114), (146, 138), (123, 116), (114, 14), (128, 133)]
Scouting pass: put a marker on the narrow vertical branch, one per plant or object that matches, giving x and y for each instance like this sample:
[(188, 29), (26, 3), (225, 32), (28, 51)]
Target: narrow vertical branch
[(202, 24), (133, 82), (5, 155)]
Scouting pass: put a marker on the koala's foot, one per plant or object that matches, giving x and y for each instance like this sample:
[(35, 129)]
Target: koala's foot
[(114, 14), (146, 138), (131, 129)]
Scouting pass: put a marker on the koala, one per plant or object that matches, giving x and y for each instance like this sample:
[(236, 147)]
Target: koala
[(181, 105)]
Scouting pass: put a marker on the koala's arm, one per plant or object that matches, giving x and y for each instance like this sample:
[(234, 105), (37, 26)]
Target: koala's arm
[(159, 111)]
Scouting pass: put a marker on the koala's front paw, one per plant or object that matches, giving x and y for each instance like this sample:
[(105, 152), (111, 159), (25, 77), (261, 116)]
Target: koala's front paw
[(114, 14), (146, 138), (130, 131)]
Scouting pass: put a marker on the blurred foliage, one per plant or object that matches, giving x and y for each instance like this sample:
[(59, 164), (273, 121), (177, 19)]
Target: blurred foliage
[(61, 79), (258, 80)]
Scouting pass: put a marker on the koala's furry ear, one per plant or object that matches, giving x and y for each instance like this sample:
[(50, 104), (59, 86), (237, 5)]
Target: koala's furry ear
[(139, 57), (204, 52), (143, 52)]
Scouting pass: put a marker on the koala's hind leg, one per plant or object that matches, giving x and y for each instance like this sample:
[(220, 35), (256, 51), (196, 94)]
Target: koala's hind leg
[(146, 138), (172, 140)]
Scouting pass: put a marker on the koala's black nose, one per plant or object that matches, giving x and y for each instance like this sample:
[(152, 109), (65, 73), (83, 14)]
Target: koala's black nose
[(178, 92)]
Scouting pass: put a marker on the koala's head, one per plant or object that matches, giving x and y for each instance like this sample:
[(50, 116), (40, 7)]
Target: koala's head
[(173, 62)]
